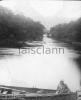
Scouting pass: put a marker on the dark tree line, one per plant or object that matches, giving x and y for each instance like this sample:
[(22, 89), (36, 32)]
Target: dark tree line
[(16, 29), (67, 32)]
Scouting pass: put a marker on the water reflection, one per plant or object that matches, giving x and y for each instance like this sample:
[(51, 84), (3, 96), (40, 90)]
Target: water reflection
[(7, 52), (40, 70)]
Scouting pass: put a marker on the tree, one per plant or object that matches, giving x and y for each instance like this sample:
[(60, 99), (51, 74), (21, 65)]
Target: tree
[(14, 29), (67, 32)]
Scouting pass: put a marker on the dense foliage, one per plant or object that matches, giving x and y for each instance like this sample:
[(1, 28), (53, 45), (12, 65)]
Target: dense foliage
[(15, 29), (67, 32)]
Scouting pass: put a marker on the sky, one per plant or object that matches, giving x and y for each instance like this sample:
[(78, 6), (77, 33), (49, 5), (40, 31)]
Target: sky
[(48, 12), (42, 71)]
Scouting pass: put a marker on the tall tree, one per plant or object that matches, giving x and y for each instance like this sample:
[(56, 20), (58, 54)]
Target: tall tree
[(18, 28)]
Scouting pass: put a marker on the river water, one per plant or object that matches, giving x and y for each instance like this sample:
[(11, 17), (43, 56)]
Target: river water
[(42, 66)]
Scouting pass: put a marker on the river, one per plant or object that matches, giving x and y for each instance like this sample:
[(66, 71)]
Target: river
[(42, 66)]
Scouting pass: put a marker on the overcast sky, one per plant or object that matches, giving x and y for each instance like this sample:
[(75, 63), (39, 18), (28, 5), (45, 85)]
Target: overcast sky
[(49, 12)]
